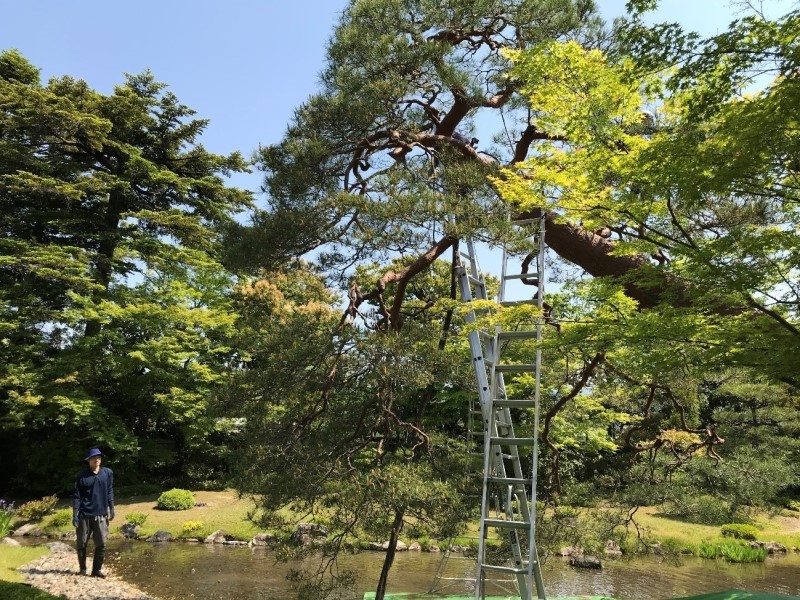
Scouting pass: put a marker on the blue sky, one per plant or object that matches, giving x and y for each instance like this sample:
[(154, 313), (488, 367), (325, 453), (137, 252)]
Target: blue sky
[(244, 64)]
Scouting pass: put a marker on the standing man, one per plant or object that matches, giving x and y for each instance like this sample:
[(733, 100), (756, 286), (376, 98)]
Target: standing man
[(92, 509)]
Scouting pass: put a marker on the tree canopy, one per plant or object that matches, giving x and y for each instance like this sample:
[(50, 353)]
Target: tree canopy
[(666, 172), (324, 339)]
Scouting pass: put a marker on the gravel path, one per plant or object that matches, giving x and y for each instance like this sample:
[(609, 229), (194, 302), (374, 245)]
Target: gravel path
[(57, 573)]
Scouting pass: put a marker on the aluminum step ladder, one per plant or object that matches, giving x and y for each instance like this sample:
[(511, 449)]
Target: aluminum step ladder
[(502, 472)]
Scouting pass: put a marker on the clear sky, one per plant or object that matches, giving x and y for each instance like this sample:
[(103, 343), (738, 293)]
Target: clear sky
[(244, 64)]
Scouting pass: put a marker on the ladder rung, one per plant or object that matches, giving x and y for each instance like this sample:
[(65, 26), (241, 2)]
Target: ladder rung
[(534, 275), (503, 569), (524, 221), (509, 480), (474, 280), (499, 403), (532, 302), (517, 335), (515, 368), (512, 441), (503, 524)]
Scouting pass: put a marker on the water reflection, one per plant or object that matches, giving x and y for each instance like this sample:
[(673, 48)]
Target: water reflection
[(206, 572)]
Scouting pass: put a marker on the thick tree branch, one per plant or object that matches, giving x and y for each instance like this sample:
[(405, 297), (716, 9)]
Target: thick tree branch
[(393, 318)]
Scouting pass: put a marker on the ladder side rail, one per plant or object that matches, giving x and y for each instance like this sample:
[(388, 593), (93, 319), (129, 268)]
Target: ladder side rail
[(498, 391), (533, 558), (501, 294), (484, 393), (488, 451), (522, 512), (492, 465), (475, 270)]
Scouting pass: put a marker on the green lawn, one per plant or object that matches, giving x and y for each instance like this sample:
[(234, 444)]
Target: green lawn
[(785, 530), (11, 580), (221, 510), (13, 557), (225, 510)]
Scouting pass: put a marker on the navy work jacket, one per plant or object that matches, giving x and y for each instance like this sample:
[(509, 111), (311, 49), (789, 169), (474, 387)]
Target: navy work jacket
[(94, 493)]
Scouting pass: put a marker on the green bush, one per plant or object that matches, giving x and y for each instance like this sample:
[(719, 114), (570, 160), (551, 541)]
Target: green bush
[(36, 509), (740, 531), (792, 505), (417, 530), (175, 499), (580, 494), (136, 518), (62, 518)]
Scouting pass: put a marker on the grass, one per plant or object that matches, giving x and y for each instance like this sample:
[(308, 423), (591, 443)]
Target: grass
[(690, 534), (22, 591), (225, 510), (13, 557), (678, 536), (732, 551), (221, 510)]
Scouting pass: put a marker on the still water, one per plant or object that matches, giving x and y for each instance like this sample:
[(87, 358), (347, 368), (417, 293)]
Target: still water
[(206, 572)]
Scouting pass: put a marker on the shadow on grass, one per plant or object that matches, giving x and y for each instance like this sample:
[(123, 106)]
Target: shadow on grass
[(689, 519), (23, 591)]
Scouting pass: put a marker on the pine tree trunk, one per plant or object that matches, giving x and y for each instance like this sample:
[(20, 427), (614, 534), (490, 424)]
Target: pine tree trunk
[(390, 552)]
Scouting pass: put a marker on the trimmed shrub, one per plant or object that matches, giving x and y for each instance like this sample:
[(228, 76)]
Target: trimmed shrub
[(740, 531), (36, 509), (175, 499), (136, 518)]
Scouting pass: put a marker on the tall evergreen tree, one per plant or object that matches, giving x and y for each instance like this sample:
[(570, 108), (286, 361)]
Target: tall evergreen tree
[(379, 174), (112, 300)]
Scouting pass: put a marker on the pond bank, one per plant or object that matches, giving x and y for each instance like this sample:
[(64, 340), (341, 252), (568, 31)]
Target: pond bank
[(57, 574)]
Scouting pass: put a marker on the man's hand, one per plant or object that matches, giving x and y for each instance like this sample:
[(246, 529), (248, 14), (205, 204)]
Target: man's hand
[(111, 514), (75, 520)]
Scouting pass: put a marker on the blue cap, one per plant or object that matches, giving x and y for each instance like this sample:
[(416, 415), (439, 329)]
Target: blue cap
[(93, 452)]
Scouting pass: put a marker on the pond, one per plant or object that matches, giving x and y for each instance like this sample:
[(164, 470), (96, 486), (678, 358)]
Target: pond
[(206, 572)]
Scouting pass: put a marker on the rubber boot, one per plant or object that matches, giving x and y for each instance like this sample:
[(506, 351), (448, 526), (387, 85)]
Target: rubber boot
[(82, 560), (97, 564)]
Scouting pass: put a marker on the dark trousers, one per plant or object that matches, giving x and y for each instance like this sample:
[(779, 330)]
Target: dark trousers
[(97, 528)]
